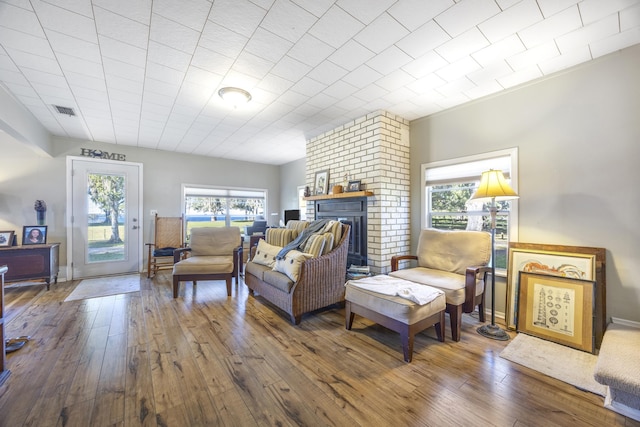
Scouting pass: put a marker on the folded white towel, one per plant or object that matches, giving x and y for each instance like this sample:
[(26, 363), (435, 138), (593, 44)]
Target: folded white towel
[(420, 294)]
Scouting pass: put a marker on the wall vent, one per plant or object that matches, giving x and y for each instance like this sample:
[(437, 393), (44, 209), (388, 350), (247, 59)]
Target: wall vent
[(65, 110)]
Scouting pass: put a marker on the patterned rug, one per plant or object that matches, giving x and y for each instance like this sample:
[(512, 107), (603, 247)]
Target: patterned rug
[(566, 364), (105, 286)]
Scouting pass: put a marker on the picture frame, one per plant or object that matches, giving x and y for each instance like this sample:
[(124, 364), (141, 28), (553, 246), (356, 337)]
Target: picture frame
[(6, 238), (557, 309), (322, 182), (34, 235), (353, 186), (552, 262)]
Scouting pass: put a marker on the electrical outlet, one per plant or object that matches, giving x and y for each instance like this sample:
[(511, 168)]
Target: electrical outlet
[(154, 212)]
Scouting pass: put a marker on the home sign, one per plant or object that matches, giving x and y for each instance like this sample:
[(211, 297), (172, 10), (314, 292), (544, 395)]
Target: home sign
[(99, 154)]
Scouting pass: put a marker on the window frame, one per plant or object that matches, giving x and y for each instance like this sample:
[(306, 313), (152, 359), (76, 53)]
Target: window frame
[(512, 153)]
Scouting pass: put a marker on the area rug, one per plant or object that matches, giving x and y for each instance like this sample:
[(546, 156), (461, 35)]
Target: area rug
[(105, 286), (564, 363)]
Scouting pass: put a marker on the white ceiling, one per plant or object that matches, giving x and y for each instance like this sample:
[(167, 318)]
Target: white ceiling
[(146, 72)]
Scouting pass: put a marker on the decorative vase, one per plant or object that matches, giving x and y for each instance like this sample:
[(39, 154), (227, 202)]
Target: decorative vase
[(41, 217)]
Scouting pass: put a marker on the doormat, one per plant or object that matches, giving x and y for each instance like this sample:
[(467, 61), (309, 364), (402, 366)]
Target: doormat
[(572, 366), (105, 286)]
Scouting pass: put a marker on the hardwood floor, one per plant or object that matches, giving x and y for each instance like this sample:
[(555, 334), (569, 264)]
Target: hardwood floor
[(204, 359)]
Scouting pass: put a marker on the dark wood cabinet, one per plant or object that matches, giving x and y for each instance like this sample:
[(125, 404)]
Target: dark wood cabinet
[(351, 211), (31, 262)]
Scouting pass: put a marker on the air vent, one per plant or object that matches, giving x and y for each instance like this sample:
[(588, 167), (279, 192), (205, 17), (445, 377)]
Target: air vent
[(65, 110)]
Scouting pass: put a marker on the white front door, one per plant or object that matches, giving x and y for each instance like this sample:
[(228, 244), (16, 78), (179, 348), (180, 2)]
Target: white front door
[(105, 217)]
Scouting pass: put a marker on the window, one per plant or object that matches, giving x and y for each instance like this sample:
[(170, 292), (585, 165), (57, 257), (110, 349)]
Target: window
[(221, 207), (448, 186)]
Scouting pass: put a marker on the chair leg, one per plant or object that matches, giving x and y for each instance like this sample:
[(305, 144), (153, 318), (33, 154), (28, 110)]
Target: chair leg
[(481, 313), (455, 317), (228, 281), (176, 284), (440, 327), (407, 344)]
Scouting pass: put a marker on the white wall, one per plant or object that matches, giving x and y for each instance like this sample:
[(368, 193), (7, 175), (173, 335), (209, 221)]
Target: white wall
[(292, 176), (578, 135)]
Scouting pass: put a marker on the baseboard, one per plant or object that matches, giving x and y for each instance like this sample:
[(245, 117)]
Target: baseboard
[(625, 322), (625, 410)]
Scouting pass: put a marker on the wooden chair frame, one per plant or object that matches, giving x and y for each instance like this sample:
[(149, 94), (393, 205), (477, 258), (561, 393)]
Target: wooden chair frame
[(168, 232)]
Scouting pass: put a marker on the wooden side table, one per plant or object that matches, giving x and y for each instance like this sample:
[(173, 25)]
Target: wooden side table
[(31, 262)]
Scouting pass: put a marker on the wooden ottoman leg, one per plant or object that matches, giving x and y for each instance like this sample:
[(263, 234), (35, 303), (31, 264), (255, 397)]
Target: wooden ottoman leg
[(348, 315), (440, 327), (176, 284), (228, 280), (407, 343)]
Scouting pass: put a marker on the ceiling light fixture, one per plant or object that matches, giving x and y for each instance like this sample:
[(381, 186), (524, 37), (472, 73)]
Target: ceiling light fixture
[(234, 96)]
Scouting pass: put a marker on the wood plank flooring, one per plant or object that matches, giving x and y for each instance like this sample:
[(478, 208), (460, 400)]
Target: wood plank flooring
[(205, 359)]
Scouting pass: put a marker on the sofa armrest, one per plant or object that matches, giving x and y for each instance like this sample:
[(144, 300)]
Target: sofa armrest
[(397, 258), (178, 254), (470, 278)]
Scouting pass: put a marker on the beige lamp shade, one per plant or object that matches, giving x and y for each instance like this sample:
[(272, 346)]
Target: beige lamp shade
[(494, 185)]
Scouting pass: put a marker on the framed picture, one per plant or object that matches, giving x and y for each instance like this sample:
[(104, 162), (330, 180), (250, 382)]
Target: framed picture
[(322, 182), (353, 186), (557, 309), (6, 238), (34, 234), (568, 261)]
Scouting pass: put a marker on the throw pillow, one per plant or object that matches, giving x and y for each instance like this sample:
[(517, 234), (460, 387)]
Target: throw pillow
[(266, 254), (290, 264), (335, 228), (328, 243), (314, 245)]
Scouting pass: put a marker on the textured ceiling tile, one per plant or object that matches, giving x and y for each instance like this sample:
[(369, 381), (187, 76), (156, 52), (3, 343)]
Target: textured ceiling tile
[(168, 56), (512, 20), (139, 10), (594, 10), (413, 13), (381, 33), (531, 57), (588, 34), (552, 27), (37, 76), (458, 69), (311, 51), (190, 13), (66, 22), (351, 55), (19, 19), (62, 43), (551, 7), (288, 20), (267, 45), (82, 80), (426, 64), (424, 39), (630, 18), (519, 77), (463, 45), (124, 70), (172, 34), (19, 90), (389, 60), (241, 16), (565, 60), (466, 14), (327, 73), (365, 11), (615, 42), (362, 76), (486, 89), (426, 83), (500, 50), (290, 69), (316, 7), (336, 27), (395, 80), (122, 52), (211, 61), (122, 83), (83, 7), (490, 73), (120, 28), (308, 87)]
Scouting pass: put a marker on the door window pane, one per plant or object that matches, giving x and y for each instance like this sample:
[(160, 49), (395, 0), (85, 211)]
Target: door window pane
[(105, 218)]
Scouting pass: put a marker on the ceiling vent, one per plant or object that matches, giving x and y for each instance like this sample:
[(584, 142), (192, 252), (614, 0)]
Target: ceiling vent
[(65, 110)]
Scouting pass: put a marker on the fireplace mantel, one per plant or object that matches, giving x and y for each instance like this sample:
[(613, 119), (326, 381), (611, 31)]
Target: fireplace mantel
[(340, 195)]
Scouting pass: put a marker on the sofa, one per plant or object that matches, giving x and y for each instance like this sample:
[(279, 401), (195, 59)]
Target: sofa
[(305, 280), (454, 261)]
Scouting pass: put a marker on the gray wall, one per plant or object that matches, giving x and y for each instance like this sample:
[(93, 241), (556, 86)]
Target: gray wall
[(27, 175), (292, 176), (578, 135)]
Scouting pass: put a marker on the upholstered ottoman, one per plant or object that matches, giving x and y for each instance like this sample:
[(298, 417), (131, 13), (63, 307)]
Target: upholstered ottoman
[(400, 305)]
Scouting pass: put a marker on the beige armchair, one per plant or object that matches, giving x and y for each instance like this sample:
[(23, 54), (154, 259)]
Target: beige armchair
[(455, 262), (215, 254)]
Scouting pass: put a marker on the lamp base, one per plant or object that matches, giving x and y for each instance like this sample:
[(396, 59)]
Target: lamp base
[(493, 332)]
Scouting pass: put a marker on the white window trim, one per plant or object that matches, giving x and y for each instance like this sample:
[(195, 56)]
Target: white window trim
[(214, 188), (511, 152)]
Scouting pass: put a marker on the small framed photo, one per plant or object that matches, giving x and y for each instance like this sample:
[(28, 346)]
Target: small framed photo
[(557, 309), (6, 238), (353, 186), (34, 234), (322, 182)]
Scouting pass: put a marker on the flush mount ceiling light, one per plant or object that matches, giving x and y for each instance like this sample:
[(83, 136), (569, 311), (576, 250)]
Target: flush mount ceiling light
[(234, 96)]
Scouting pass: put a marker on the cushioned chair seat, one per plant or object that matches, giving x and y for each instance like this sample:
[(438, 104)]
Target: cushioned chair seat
[(204, 265), (163, 252), (452, 284)]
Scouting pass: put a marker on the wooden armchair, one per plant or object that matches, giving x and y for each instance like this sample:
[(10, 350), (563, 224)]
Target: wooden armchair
[(168, 234), (215, 254), (455, 262)]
